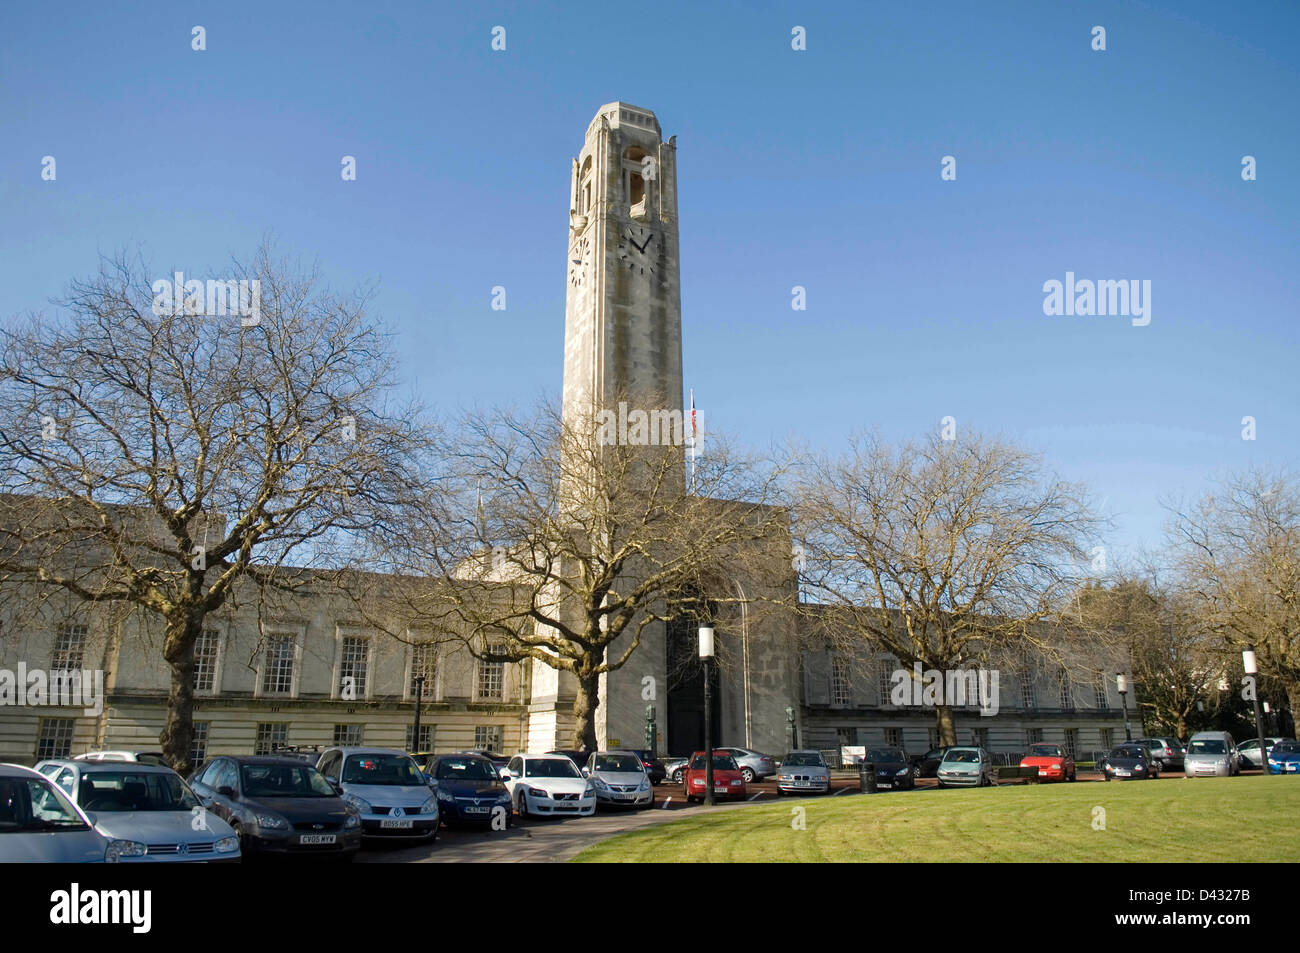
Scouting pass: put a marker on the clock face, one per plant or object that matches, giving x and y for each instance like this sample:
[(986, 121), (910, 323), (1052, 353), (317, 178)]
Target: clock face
[(638, 248), (579, 262)]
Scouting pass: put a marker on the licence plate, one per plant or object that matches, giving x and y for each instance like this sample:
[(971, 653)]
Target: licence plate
[(402, 824), (720, 790), (316, 839), (477, 810), (1122, 774)]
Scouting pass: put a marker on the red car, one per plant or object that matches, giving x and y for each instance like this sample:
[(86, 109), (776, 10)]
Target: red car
[(1052, 762), (727, 779)]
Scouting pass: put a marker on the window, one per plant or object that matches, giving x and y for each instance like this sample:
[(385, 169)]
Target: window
[(1028, 698), (1099, 693), (1067, 691), (424, 662), (271, 735), (894, 737), (425, 742), (840, 693), (845, 736), (68, 648), (277, 671), (199, 743), (885, 681), (349, 735), (488, 737), (1033, 735), (1107, 738), (636, 192), (1071, 741), (934, 737), (205, 660), (354, 658), (977, 737), (54, 738), (491, 677)]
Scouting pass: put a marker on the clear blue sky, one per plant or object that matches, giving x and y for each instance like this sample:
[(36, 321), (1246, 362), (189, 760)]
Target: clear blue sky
[(816, 168)]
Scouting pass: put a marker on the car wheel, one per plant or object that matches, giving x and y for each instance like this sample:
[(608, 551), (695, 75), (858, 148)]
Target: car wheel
[(677, 776), (522, 807), (747, 775), (916, 771)]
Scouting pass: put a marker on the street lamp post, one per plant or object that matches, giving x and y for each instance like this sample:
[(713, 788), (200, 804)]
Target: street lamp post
[(1122, 684), (419, 694), (706, 656), (1252, 669)]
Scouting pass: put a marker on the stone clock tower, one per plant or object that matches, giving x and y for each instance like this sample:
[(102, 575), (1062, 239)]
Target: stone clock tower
[(623, 314)]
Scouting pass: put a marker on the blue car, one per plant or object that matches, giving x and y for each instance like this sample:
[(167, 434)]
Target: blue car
[(1284, 758), (469, 790)]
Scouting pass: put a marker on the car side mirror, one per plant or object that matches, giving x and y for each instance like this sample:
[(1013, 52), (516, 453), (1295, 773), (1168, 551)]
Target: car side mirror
[(226, 791), (586, 772)]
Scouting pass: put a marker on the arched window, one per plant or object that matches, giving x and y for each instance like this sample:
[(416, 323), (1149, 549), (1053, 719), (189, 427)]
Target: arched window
[(584, 187), (636, 186)]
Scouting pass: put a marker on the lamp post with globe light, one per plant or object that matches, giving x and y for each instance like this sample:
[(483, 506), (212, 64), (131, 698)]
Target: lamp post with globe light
[(1121, 683), (706, 657), (1251, 666)]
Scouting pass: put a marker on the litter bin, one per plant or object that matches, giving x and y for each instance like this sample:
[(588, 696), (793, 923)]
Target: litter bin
[(867, 778)]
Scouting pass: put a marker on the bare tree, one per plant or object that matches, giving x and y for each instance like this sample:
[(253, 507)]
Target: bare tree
[(155, 450), (942, 553), (552, 544), (1238, 551)]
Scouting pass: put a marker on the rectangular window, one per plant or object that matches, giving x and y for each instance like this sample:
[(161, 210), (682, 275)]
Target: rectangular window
[(491, 677), (348, 735), (894, 736), (885, 680), (54, 737), (488, 737), (424, 662), (1107, 738), (1099, 693), (934, 737), (1033, 735), (271, 735), (205, 660), (199, 743), (1028, 698), (1071, 741), (1067, 692), (426, 739), (840, 694), (977, 737), (68, 648), (277, 673), (354, 659)]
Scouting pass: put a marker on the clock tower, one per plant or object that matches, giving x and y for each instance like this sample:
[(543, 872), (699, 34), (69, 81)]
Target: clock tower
[(623, 314)]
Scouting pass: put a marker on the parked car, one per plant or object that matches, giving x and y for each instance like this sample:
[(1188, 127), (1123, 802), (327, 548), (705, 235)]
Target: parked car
[(1211, 753), (964, 766), (468, 788), (1171, 757), (803, 772), (40, 824), (548, 785), (139, 757), (1051, 760), (1128, 762), (146, 804), (893, 768), (387, 789), (928, 766), (753, 766), (579, 758), (308, 753), (653, 766), (278, 806), (424, 759), (1248, 751), (675, 769), (1284, 757), (499, 761), (728, 777), (620, 777)]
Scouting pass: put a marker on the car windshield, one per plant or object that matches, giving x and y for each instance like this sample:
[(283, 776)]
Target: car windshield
[(1130, 752), (1286, 747), (721, 762), (550, 768), (284, 780), (803, 759), (385, 769), (618, 762), (31, 804), (112, 791), (465, 769), (1044, 751), (1207, 746), (885, 754), (962, 755)]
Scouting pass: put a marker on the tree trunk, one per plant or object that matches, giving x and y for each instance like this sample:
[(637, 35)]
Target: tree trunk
[(177, 737), (584, 712), (947, 730)]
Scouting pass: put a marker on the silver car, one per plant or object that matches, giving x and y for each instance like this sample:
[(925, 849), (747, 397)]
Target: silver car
[(1211, 754), (1248, 751), (753, 766), (39, 824), (803, 772), (619, 777), (967, 767)]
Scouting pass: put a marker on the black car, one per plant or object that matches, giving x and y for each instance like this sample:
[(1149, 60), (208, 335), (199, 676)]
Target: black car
[(578, 757), (469, 789), (892, 767), (928, 765), (653, 766), (499, 761), (1128, 762), (278, 805)]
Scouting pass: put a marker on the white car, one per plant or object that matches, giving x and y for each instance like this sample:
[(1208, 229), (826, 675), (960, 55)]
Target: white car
[(619, 777), (138, 757), (40, 824), (387, 788), (148, 809), (548, 785)]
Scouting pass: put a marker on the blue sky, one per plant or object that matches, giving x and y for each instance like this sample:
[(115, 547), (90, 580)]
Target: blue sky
[(817, 168)]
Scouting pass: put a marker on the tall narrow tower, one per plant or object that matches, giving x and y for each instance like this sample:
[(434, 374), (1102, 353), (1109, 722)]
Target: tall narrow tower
[(623, 314)]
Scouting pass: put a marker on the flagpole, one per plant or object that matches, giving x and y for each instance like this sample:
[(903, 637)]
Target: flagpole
[(694, 439)]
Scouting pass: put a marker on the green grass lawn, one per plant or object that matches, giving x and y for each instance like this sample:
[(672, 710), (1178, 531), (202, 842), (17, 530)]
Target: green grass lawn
[(1206, 819)]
